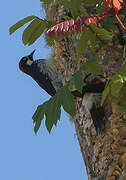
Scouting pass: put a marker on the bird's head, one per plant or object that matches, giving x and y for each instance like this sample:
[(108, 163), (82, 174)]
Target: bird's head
[(26, 62)]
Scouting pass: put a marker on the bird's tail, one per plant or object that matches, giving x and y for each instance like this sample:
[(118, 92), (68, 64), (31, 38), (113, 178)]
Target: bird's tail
[(98, 117)]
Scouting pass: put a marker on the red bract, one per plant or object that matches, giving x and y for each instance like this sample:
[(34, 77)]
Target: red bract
[(72, 26), (54, 30), (110, 9), (112, 6), (117, 4), (69, 25), (78, 23), (61, 28)]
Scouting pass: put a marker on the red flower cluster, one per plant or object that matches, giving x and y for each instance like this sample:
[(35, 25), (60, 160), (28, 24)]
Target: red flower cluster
[(111, 8), (69, 25)]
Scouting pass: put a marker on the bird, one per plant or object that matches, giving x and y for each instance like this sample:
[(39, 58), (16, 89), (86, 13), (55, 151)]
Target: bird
[(91, 102), (48, 78), (44, 73)]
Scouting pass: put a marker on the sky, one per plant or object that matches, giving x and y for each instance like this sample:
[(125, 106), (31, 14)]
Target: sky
[(23, 155)]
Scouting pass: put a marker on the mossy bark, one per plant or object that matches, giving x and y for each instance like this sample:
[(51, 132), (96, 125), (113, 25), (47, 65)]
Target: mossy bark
[(104, 154)]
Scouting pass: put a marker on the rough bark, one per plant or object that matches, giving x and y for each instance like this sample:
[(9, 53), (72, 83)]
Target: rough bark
[(104, 154)]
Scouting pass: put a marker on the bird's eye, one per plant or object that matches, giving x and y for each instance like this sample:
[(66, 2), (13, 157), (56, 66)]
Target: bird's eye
[(25, 59)]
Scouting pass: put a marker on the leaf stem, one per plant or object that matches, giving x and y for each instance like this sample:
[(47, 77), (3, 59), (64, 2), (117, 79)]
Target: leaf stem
[(120, 22)]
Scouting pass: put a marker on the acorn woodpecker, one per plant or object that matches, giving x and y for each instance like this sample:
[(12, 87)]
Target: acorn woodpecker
[(46, 76), (49, 79), (92, 94)]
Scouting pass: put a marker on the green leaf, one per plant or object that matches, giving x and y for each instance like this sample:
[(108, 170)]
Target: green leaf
[(20, 24), (121, 109), (83, 12), (91, 67), (116, 85), (50, 40), (93, 41), (105, 94), (101, 33), (46, 1), (75, 7), (109, 24), (33, 31), (89, 1), (117, 89), (78, 81), (122, 72), (100, 6), (53, 111), (121, 101), (82, 43), (39, 115), (67, 101), (65, 3)]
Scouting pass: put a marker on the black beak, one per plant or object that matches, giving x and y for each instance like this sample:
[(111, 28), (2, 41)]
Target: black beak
[(31, 55)]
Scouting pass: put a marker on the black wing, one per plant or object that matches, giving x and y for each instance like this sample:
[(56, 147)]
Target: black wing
[(41, 73)]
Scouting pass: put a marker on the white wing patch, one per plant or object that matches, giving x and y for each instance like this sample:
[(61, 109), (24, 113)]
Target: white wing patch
[(89, 99)]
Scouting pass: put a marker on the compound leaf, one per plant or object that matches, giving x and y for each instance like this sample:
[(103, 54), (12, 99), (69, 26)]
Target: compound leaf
[(46, 1), (53, 111), (38, 116), (21, 23), (78, 81), (101, 33), (91, 67), (33, 31), (67, 101), (82, 43)]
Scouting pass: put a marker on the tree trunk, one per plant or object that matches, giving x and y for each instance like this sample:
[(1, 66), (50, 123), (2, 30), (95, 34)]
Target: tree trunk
[(104, 153)]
